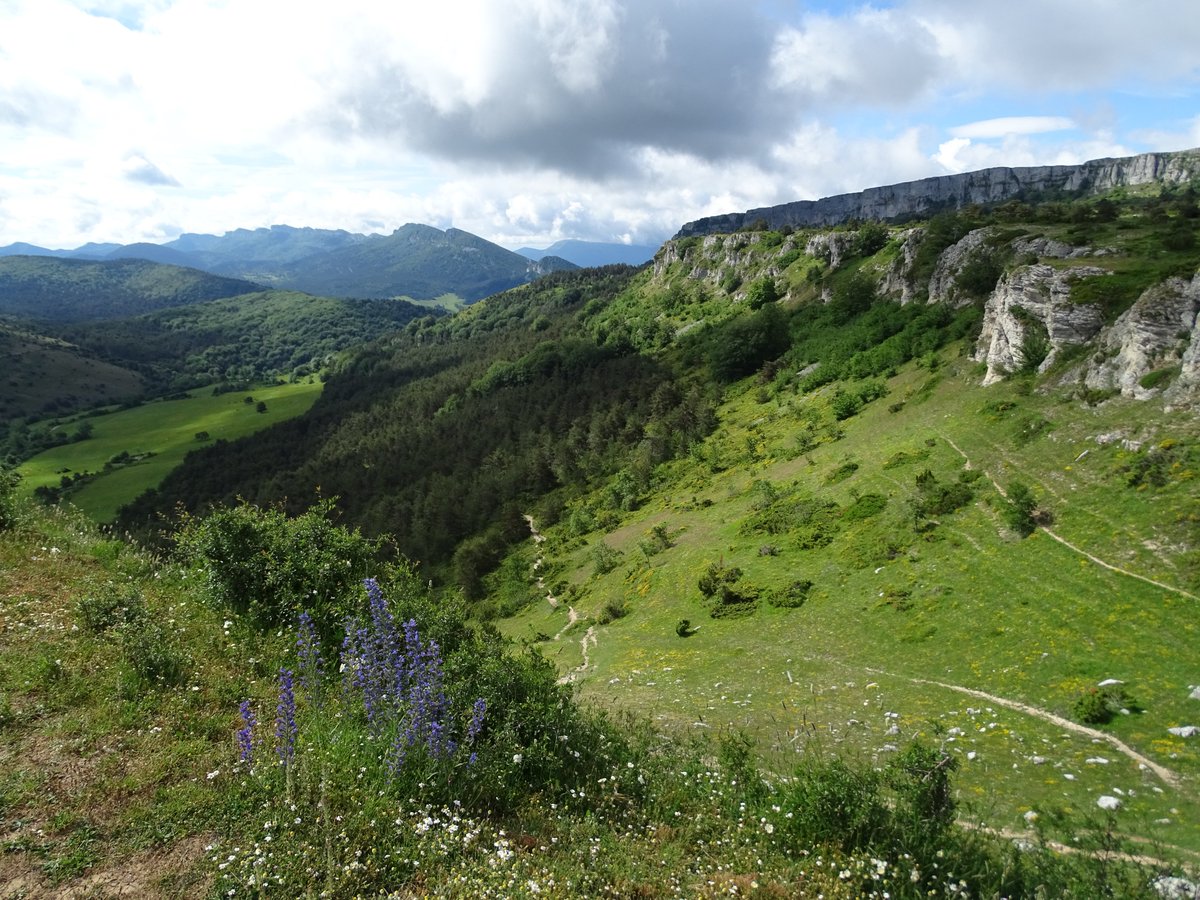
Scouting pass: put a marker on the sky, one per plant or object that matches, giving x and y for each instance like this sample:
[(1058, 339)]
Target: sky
[(530, 121)]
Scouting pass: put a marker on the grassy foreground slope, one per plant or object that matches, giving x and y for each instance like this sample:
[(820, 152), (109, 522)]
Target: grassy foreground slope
[(120, 775), (860, 621), (155, 438)]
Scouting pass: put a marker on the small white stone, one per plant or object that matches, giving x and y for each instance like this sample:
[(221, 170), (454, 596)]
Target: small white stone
[(1108, 802)]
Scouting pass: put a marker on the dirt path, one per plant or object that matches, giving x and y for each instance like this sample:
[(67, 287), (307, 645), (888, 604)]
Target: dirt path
[(585, 643), (1051, 534), (572, 618), (538, 538), (1120, 746)]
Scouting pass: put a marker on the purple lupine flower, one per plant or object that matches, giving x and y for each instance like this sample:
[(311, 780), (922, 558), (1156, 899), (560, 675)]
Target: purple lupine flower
[(476, 723), (308, 654), (285, 718), (245, 735)]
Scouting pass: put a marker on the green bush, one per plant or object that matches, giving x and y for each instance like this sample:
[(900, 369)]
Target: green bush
[(110, 605), (1019, 511), (1098, 705), (8, 497), (268, 567), (1154, 379), (151, 651), (605, 558), (791, 597)]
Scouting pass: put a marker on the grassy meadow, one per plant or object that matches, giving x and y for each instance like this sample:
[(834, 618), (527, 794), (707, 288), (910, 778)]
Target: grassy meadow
[(156, 436), (900, 623)]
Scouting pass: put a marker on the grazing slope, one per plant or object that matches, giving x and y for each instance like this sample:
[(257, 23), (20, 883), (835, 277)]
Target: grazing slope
[(43, 375)]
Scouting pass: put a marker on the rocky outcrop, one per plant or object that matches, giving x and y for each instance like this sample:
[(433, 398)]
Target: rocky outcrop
[(942, 283), (1157, 333), (1031, 306), (897, 282), (830, 246), (915, 199)]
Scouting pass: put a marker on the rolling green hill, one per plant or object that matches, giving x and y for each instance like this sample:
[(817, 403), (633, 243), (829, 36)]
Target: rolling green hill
[(241, 339), (46, 289)]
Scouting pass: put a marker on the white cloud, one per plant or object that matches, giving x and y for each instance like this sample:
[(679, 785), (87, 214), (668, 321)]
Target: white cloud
[(1006, 125)]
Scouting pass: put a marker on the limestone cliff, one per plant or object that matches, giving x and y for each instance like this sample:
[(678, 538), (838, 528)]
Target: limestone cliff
[(914, 199), (1158, 333), (1031, 312)]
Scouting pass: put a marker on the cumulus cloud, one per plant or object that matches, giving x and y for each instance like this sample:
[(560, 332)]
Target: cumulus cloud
[(1065, 44), (580, 91), (869, 57)]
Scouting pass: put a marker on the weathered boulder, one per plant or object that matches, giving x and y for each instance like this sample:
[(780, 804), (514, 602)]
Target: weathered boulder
[(942, 283), (830, 246)]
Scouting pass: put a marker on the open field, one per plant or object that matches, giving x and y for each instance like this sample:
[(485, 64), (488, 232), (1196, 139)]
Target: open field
[(166, 430)]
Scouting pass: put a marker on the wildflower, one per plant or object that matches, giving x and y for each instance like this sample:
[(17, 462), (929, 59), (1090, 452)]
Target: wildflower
[(285, 718), (245, 735), (308, 654)]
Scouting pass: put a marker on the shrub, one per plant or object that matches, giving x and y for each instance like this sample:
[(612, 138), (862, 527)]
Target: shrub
[(1098, 705), (109, 606), (762, 292), (605, 558), (1019, 511), (791, 597), (151, 651), (8, 497), (262, 564), (1154, 379), (614, 609)]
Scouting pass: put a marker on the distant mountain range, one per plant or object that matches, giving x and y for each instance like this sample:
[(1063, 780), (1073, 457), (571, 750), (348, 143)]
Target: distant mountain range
[(417, 261), (587, 254)]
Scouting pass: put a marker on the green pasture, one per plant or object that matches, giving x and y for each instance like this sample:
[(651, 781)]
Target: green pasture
[(168, 430), (967, 603)]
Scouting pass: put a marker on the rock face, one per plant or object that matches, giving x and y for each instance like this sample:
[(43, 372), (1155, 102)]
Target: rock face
[(929, 195), (1157, 332), (831, 246), (942, 283), (897, 281), (1031, 305)]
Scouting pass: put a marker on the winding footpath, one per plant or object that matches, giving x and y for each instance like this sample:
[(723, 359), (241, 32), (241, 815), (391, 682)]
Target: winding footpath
[(1051, 534), (1167, 776), (588, 641)]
